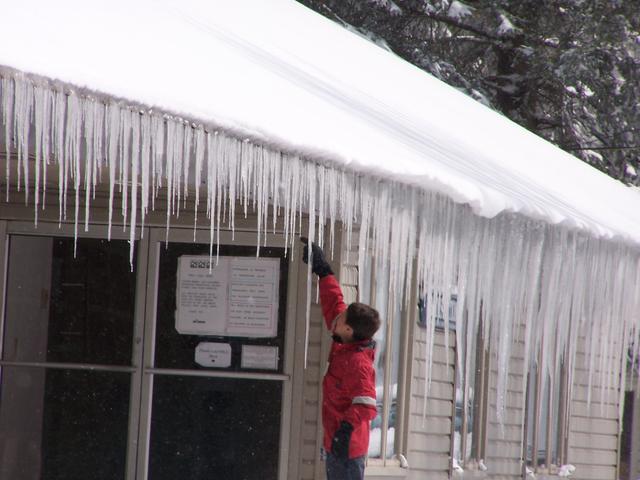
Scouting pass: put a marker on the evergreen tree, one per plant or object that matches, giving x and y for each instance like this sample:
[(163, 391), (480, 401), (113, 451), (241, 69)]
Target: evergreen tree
[(568, 70)]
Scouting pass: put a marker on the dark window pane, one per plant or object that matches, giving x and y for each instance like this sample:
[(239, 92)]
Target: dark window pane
[(66, 309), (175, 350), (63, 424), (203, 428)]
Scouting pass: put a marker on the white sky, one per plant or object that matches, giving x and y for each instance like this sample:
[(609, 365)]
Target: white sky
[(275, 71)]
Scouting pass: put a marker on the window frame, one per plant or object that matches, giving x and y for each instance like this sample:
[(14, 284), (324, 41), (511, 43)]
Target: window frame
[(142, 369), (479, 408), (404, 320), (47, 228), (555, 421), (157, 237)]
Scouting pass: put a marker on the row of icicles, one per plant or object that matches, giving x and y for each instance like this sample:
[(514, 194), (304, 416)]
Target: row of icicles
[(555, 292)]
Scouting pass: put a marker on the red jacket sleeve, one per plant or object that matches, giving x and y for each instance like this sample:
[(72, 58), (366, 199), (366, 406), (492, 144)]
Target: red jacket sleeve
[(331, 299)]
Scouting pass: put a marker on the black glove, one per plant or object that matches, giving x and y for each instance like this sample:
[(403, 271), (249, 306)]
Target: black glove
[(340, 441), (319, 264)]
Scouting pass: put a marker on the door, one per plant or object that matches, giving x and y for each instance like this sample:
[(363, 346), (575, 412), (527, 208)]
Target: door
[(67, 348), (100, 380)]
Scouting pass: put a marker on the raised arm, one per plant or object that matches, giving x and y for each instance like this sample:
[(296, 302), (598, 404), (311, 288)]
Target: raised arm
[(331, 298)]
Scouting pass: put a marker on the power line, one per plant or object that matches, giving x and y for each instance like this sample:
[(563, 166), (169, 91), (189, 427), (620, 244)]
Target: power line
[(573, 149)]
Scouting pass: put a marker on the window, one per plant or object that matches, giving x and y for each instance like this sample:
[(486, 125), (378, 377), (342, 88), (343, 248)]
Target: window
[(628, 466), (471, 383), (423, 305), (472, 367), (625, 464), (212, 422), (67, 345), (97, 381), (547, 418), (385, 433)]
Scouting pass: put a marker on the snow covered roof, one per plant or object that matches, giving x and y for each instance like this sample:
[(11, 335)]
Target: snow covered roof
[(161, 95), (280, 74)]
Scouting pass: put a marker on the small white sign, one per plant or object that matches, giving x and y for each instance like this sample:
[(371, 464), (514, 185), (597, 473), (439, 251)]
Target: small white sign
[(258, 356), (209, 354)]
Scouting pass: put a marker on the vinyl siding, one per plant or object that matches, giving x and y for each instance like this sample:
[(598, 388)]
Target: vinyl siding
[(308, 465), (429, 432), (504, 439), (594, 427)]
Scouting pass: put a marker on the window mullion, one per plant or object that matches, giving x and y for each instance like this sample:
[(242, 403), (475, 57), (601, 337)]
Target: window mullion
[(390, 314), (373, 299), (465, 409), (484, 398), (527, 424), (481, 392), (404, 378), (538, 408), (550, 413), (563, 415)]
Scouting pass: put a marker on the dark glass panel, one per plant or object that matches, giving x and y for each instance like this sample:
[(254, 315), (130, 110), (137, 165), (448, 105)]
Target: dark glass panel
[(63, 424), (203, 428), (62, 308)]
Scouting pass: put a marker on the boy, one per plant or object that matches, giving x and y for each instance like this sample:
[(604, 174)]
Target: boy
[(349, 386)]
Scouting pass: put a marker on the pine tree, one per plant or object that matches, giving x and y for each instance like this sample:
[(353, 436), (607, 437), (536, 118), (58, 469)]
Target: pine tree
[(568, 70)]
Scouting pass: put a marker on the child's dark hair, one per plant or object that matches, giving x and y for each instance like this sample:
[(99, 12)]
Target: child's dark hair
[(363, 319)]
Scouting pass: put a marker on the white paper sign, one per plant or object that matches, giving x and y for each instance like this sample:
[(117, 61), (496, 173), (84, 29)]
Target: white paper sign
[(201, 296), (210, 354), (237, 297), (253, 296), (259, 356)]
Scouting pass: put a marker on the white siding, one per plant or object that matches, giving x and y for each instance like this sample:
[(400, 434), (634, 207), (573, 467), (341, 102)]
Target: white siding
[(306, 452), (593, 428), (504, 441), (310, 467), (429, 435)]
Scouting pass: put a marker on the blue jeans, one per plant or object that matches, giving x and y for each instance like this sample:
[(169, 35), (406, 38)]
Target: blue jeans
[(352, 469)]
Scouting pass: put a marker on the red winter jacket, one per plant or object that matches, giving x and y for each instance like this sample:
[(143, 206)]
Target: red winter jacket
[(349, 386)]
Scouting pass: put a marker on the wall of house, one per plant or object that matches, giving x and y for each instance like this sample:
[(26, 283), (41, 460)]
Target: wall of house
[(302, 437), (592, 434), (593, 429), (429, 434), (308, 381), (504, 440), (634, 460), (308, 464)]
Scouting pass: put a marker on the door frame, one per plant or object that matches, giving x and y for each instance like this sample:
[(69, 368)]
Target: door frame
[(51, 229), (149, 241), (157, 238)]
